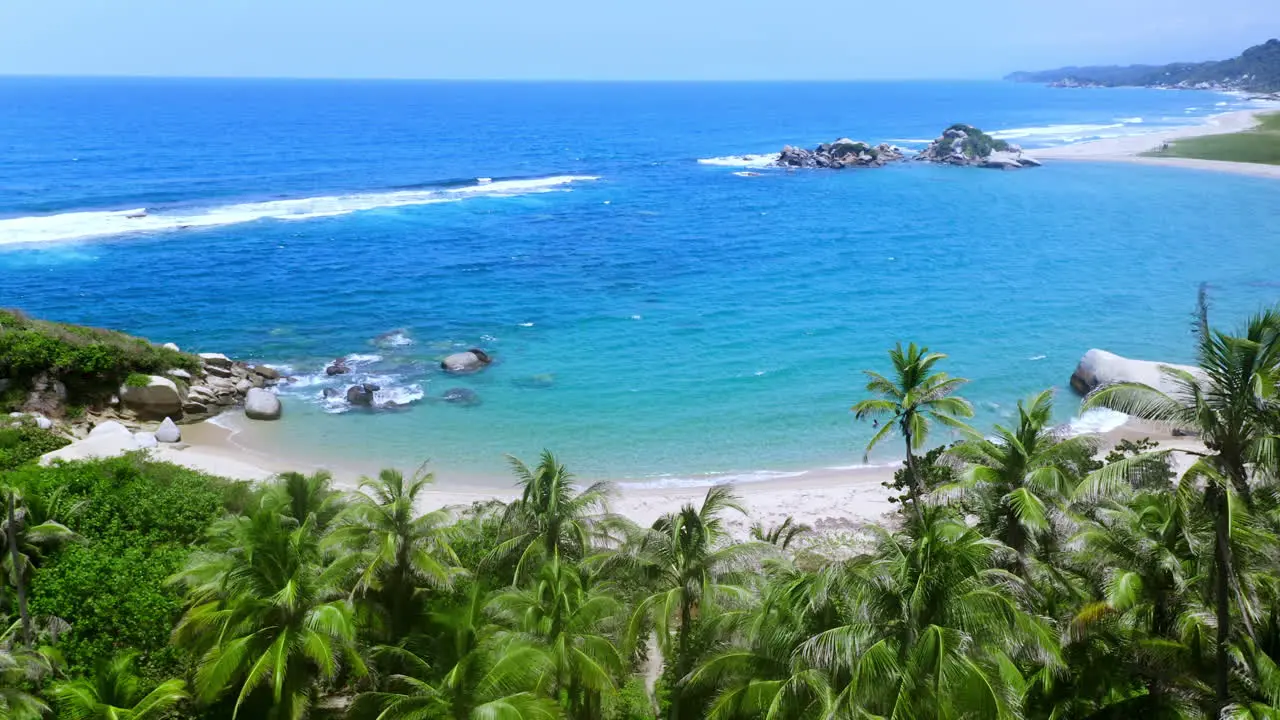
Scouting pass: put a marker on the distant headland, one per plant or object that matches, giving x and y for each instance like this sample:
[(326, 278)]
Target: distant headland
[(1255, 70)]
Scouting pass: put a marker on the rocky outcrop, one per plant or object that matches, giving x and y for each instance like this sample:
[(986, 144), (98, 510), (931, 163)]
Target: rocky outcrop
[(471, 361), (1099, 368), (361, 395), (158, 399), (46, 397), (843, 153), (967, 145), (337, 367), (260, 404)]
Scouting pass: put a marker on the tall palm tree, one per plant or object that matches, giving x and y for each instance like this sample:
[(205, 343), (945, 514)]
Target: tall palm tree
[(265, 616), (495, 675), (29, 531), (550, 518), (913, 400), (1232, 405), (932, 628), (576, 618), (299, 496), (1016, 479), (685, 557), (115, 692), (391, 550)]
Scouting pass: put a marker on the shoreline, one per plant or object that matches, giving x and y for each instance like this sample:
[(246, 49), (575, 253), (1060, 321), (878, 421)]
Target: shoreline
[(1129, 149), (838, 503)]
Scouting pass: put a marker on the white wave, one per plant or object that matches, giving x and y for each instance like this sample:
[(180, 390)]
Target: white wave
[(1034, 358), (362, 359), (397, 338), (1129, 121), (92, 224), (1050, 132), (394, 396), (753, 161), (1221, 104), (913, 141), (1098, 420), (676, 481)]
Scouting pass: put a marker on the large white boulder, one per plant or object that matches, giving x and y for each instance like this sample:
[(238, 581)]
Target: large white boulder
[(109, 427), (145, 440), (261, 404), (157, 399), (1099, 368), (216, 360), (168, 432), (473, 360)]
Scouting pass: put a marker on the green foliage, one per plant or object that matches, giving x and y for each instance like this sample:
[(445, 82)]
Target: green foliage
[(23, 442), (630, 703), (1259, 145), (91, 362), (137, 380), (976, 144)]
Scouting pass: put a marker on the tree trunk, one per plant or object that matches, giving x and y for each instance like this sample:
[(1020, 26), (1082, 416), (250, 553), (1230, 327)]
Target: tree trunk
[(681, 659), (1222, 594), (913, 481), (19, 582)]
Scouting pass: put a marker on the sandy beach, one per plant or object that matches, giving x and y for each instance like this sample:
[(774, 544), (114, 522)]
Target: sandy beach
[(1129, 149), (836, 502)]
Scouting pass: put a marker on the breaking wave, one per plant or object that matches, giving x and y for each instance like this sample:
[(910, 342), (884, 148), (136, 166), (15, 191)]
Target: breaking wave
[(94, 223), (751, 161)]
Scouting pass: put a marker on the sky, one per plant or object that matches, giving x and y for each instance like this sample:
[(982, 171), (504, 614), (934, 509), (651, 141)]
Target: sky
[(616, 40)]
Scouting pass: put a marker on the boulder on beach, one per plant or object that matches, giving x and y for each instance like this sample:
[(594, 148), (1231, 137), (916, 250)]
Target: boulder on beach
[(109, 427), (461, 396), (261, 404), (168, 432), (473, 360), (361, 395), (1099, 368), (157, 399), (216, 360), (145, 440)]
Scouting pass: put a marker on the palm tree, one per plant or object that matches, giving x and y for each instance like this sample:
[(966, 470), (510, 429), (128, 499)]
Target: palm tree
[(29, 530), (298, 496), (495, 675), (265, 616), (932, 628), (1017, 479), (21, 667), (915, 399), (683, 555), (565, 609), (115, 693), (782, 534), (1231, 403), (550, 518), (391, 550)]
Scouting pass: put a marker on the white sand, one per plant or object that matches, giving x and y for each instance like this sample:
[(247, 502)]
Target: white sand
[(1129, 149)]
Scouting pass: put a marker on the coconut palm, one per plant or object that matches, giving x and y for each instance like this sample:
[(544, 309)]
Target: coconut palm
[(265, 616), (115, 692), (685, 557), (782, 534), (299, 496), (20, 668), (913, 400), (392, 551), (494, 675), (30, 529), (1016, 479), (1231, 403), (933, 628), (576, 619), (550, 518)]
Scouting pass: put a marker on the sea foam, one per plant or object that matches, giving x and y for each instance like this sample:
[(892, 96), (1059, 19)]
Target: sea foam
[(751, 161), (92, 224)]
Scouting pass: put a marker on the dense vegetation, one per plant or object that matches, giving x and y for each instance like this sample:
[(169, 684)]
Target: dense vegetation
[(1259, 145), (975, 144), (92, 363), (1022, 578), (1256, 69)]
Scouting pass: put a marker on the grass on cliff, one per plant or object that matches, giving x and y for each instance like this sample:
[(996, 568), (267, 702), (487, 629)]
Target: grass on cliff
[(1259, 145), (91, 362)]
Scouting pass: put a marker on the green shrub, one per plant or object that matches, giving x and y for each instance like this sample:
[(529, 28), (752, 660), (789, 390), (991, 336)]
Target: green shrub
[(24, 442), (631, 702), (91, 362), (976, 143), (137, 380)]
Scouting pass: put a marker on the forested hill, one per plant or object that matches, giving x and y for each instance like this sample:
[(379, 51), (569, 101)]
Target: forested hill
[(1256, 70)]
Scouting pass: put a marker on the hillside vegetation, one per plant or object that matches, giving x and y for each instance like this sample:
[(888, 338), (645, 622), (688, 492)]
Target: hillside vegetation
[(1256, 70)]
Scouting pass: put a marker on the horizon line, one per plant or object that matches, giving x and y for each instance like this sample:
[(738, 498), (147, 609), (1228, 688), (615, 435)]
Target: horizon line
[(322, 78)]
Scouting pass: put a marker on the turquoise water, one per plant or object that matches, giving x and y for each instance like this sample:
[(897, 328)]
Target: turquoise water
[(651, 317)]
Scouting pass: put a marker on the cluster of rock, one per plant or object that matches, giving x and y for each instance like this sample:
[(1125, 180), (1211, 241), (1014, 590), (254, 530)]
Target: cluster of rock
[(966, 145), (843, 153), (221, 383)]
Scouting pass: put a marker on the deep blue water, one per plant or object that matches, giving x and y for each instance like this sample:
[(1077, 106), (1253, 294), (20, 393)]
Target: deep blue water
[(664, 318)]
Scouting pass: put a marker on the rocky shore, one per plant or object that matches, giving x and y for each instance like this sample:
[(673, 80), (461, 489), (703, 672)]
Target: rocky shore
[(843, 153), (959, 144)]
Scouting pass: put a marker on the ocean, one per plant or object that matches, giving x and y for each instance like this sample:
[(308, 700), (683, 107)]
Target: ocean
[(655, 313)]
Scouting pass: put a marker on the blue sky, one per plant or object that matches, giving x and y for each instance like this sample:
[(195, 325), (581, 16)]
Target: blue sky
[(599, 39)]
